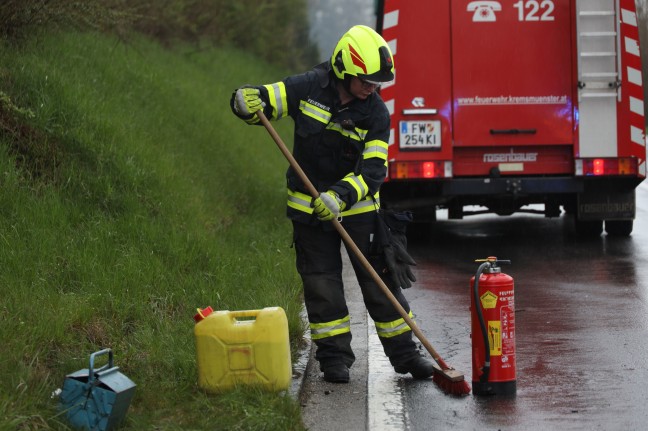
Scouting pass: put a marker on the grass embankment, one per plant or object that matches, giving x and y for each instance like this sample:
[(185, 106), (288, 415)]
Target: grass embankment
[(130, 197)]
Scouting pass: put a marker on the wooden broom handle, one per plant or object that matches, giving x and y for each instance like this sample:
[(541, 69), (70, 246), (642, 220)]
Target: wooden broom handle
[(350, 243)]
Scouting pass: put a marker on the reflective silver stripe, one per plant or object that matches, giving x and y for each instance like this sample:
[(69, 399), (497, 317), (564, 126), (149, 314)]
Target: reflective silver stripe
[(329, 329), (299, 201), (356, 134), (314, 112), (364, 206), (391, 329), (277, 96), (392, 332), (358, 184), (375, 149)]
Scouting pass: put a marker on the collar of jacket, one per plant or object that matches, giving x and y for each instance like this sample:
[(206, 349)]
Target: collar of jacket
[(323, 71), (325, 77)]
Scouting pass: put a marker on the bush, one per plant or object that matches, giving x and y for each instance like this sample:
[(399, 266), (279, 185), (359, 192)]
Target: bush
[(21, 18), (274, 30)]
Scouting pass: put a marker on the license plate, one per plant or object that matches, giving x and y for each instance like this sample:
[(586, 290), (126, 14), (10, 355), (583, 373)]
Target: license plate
[(420, 134)]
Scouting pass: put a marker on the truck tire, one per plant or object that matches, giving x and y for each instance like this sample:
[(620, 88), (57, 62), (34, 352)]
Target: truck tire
[(588, 228), (618, 227)]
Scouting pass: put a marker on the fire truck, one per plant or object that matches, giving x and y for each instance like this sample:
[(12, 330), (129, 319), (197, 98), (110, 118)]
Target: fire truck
[(515, 106)]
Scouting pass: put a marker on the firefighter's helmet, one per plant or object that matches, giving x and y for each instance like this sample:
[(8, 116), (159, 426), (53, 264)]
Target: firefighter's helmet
[(363, 53)]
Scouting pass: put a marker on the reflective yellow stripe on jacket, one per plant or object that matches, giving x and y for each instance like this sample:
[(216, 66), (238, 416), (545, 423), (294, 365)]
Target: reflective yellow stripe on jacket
[(302, 202), (356, 134), (375, 148), (392, 329), (314, 112), (329, 329), (278, 99), (358, 183)]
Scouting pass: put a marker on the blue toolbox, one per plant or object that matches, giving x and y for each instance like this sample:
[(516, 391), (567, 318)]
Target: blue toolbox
[(96, 399)]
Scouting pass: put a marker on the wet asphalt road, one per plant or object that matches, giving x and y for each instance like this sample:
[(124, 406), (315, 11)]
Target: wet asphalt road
[(581, 324)]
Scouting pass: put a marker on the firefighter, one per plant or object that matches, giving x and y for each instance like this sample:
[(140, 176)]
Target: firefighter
[(341, 132)]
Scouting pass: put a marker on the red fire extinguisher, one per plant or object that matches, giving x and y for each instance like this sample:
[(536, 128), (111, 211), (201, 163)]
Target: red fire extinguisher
[(492, 311)]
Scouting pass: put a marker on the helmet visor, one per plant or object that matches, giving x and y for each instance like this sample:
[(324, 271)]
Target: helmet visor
[(369, 82)]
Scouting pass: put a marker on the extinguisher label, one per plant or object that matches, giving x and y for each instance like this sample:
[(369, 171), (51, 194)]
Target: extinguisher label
[(495, 337), (507, 316), (488, 300)]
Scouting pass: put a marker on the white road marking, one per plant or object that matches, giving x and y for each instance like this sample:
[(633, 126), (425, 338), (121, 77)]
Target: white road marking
[(385, 407)]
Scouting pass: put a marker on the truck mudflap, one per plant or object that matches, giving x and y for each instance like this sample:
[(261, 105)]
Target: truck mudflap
[(606, 206)]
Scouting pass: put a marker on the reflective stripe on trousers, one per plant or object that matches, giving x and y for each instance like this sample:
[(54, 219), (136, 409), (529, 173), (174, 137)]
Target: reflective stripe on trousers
[(393, 328), (330, 329)]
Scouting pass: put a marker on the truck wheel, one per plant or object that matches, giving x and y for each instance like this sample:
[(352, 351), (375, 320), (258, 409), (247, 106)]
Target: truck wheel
[(588, 228), (618, 227)]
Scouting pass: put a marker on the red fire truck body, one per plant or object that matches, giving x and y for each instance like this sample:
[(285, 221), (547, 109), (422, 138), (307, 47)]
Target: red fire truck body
[(498, 105)]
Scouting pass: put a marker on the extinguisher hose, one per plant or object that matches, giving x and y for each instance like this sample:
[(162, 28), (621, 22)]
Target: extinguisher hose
[(482, 323)]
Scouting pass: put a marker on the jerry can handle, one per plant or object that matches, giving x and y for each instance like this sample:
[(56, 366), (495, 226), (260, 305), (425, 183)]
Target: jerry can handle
[(243, 313), (91, 372)]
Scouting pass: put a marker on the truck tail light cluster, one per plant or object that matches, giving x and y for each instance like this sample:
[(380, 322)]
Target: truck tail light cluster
[(419, 170), (607, 166)]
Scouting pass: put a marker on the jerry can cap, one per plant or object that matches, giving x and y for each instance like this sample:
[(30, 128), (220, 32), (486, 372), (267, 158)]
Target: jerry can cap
[(203, 313)]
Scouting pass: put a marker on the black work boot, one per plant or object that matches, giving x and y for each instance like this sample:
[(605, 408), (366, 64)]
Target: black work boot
[(418, 366), (336, 373)]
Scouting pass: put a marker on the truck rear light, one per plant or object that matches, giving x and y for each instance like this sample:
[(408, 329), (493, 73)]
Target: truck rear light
[(418, 169), (607, 166), (428, 169)]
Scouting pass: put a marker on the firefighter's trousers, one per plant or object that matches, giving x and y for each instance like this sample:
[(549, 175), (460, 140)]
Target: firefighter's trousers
[(319, 263)]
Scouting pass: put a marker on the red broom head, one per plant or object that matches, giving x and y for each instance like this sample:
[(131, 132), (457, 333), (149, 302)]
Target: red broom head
[(449, 386)]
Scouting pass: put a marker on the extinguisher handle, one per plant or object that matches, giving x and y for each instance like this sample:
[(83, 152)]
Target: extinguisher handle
[(493, 261)]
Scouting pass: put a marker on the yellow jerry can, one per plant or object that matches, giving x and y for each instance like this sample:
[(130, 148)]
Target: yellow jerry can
[(249, 347)]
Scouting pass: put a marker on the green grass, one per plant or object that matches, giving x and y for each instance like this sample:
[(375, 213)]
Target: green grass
[(128, 199)]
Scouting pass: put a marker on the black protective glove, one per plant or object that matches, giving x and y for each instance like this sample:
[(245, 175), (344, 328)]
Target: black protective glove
[(392, 243), (398, 261)]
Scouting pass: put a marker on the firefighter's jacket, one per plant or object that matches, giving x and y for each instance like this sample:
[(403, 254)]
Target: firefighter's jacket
[(340, 148)]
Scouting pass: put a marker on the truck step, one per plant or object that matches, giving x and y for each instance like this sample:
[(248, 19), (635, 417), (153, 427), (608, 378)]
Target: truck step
[(598, 34), (584, 94), (590, 13), (600, 75), (598, 54)]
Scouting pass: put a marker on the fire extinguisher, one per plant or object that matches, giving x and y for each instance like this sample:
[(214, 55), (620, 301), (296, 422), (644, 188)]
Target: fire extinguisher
[(492, 311)]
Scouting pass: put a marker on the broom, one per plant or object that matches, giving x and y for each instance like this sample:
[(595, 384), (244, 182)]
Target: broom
[(447, 378)]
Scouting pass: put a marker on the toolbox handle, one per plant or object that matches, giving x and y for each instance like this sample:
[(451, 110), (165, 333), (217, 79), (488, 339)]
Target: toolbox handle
[(91, 372)]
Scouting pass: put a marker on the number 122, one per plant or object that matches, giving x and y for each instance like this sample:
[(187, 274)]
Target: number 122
[(535, 6)]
